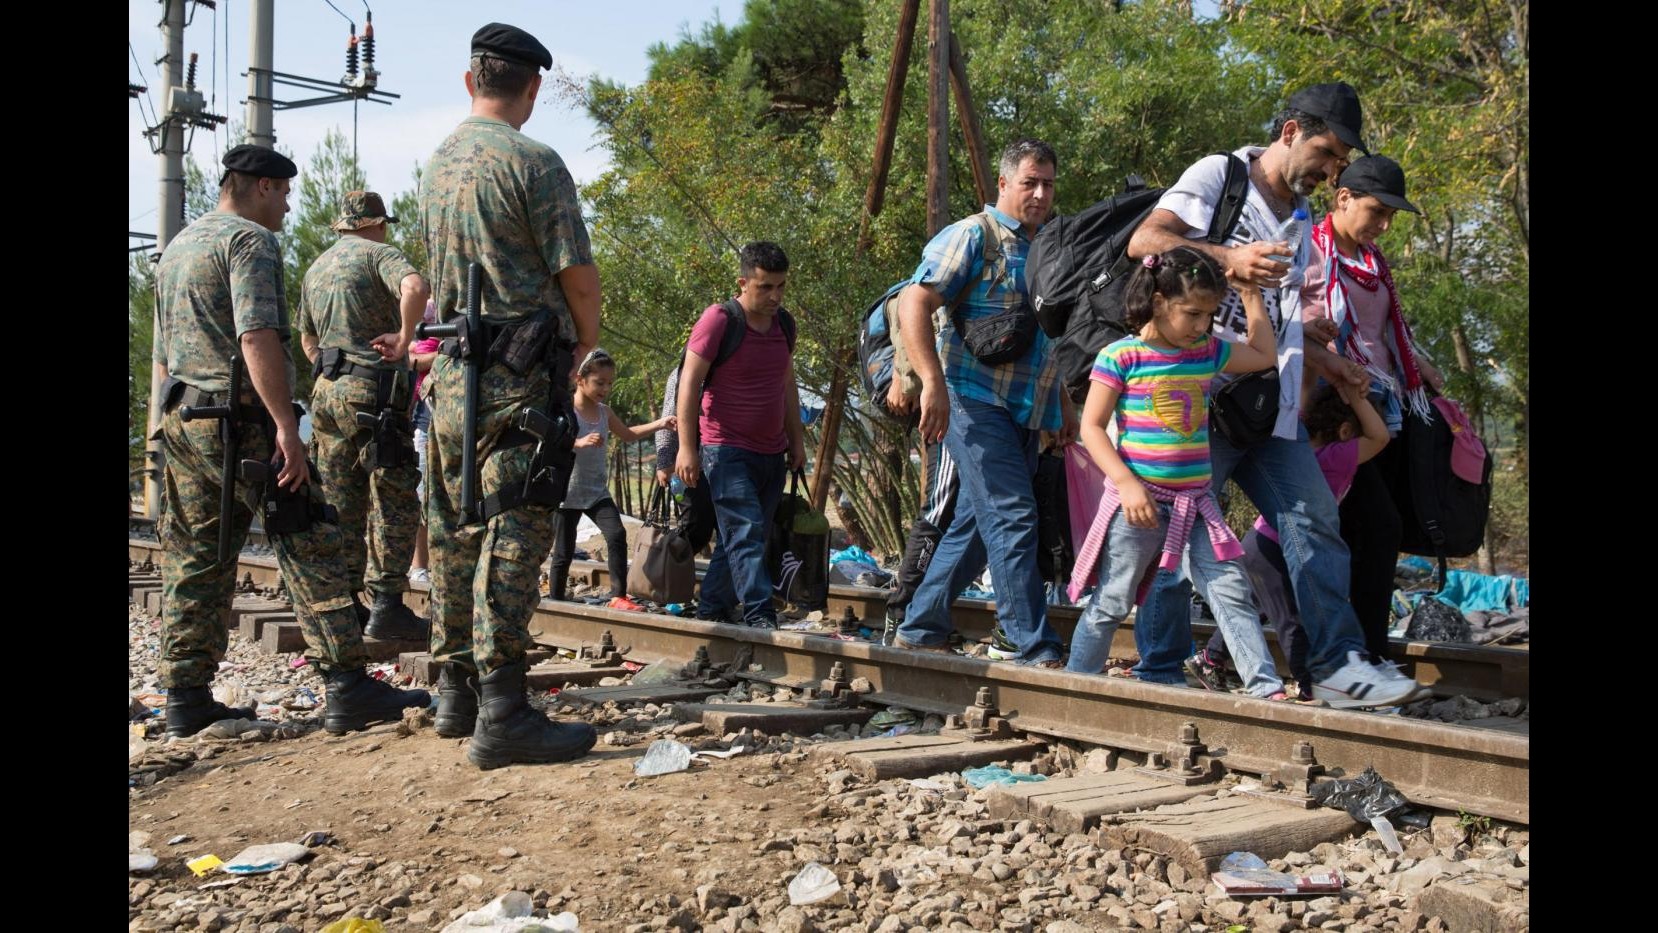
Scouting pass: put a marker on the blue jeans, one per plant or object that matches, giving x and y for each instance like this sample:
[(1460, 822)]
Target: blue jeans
[(1128, 553), (1283, 480), (995, 513), (746, 487)]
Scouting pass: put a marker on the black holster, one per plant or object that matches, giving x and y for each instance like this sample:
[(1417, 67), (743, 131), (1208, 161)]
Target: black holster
[(393, 442), (282, 511)]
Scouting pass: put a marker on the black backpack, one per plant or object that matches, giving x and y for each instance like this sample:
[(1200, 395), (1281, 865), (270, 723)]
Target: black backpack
[(1054, 552), (1078, 266), (736, 328), (875, 354), (1444, 515)]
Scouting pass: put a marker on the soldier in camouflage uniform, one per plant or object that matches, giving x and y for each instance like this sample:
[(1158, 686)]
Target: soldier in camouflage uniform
[(357, 316), (219, 293), (492, 195)]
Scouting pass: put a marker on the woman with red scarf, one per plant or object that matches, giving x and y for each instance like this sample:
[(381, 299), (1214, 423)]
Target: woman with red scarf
[(1361, 299)]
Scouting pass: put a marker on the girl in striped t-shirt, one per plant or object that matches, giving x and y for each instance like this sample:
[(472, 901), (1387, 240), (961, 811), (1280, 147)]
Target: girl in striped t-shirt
[(1155, 385)]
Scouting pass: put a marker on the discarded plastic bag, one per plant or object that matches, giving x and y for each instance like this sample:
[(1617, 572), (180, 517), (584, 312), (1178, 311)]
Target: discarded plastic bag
[(141, 860), (662, 672), (894, 716), (255, 860), (355, 925), (664, 756), (1363, 797), (983, 777), (511, 913), (814, 883)]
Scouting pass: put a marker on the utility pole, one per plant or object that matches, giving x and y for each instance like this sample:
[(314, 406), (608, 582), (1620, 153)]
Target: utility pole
[(170, 219), (261, 92)]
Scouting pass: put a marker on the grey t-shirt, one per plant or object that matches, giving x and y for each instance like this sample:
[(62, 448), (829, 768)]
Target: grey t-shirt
[(587, 477)]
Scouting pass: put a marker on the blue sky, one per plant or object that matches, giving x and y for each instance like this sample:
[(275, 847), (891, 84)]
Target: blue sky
[(421, 54)]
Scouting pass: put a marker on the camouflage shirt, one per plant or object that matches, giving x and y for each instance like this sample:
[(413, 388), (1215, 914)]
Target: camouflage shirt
[(493, 195), (351, 296), (220, 278)]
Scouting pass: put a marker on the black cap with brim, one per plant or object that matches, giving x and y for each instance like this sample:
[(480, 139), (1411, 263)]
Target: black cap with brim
[(258, 161), (1379, 177), (511, 44), (1337, 105)]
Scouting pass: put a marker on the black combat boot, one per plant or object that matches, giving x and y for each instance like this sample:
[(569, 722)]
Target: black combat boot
[(362, 611), (509, 730), (355, 700), (393, 621), (192, 709), (457, 700)]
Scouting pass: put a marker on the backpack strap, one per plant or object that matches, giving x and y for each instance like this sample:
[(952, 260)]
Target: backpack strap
[(1229, 209), (991, 265)]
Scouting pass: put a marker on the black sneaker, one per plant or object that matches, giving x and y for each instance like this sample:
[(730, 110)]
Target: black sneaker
[(1000, 648), (889, 629), (1209, 675)]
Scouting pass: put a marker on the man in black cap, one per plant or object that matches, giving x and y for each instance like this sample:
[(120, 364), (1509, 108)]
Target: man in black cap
[(1312, 138), (358, 309), (219, 294), (494, 196)]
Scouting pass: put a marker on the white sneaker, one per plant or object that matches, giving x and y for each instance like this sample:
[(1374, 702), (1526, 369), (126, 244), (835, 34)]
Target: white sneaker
[(420, 575), (1360, 684)]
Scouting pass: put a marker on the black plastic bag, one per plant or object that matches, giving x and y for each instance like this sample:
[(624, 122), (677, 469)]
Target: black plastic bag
[(1364, 797), (1434, 620)]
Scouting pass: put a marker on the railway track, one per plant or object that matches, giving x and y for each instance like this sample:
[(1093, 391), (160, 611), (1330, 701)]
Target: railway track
[(1480, 771)]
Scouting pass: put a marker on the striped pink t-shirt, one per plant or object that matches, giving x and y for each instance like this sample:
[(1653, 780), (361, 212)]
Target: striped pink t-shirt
[(1163, 411)]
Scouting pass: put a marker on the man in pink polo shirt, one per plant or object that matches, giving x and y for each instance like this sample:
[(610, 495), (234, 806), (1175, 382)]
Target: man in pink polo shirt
[(739, 412)]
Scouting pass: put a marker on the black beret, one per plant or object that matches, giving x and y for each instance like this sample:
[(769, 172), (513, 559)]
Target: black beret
[(509, 43), (259, 161)]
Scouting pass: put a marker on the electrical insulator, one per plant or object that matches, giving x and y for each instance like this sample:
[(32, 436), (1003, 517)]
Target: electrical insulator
[(190, 73), (351, 54), (368, 41)]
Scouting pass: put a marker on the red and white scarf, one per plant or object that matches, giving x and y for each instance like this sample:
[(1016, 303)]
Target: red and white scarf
[(1369, 270)]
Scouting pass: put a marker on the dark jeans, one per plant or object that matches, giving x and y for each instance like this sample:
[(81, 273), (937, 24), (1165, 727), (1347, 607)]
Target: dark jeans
[(1373, 529), (609, 519), (746, 488)]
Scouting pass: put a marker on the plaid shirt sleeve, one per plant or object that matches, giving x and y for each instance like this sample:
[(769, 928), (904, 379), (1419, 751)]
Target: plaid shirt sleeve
[(947, 262)]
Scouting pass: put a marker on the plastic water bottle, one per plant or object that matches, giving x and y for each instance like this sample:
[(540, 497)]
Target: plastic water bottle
[(1290, 232), (676, 489)]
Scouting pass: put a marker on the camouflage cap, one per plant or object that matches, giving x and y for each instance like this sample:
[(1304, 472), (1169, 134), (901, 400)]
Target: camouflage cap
[(363, 209)]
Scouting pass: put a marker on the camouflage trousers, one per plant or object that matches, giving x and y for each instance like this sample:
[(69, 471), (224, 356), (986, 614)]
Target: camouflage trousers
[(485, 577), (379, 511), (196, 589)]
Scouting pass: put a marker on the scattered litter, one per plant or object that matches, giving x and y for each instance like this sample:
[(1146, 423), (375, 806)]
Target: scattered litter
[(180, 839), (1243, 874), (226, 666), (486, 795), (510, 913), (382, 671), (256, 860), (204, 864), (303, 698), (152, 700), (297, 663), (221, 883), (896, 731), (715, 753), (355, 925), (1363, 797), (675, 609), (634, 666), (814, 883), (661, 672), (929, 784), (980, 778), (894, 716), (664, 756), (314, 838), (236, 728), (141, 860), (1384, 829)]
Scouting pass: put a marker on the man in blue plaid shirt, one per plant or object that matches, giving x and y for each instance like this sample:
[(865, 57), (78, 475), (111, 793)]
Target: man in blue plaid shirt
[(990, 417)]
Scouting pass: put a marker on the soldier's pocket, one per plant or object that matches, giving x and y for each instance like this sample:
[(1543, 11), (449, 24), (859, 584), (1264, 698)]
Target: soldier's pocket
[(513, 565)]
